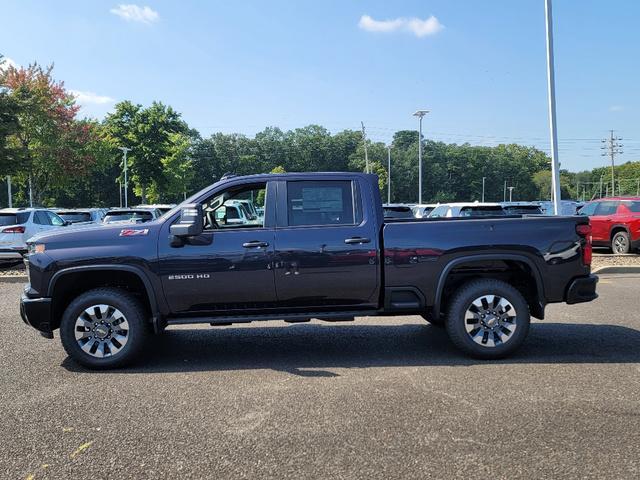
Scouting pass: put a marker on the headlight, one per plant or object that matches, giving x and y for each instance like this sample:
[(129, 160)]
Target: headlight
[(36, 248)]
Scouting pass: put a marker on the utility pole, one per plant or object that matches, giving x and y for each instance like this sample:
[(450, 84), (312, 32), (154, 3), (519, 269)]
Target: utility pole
[(612, 147), (125, 150), (389, 174), (601, 186), (30, 193), (366, 155), (9, 196), (551, 86), (483, 181), (511, 193), (420, 114), (504, 197)]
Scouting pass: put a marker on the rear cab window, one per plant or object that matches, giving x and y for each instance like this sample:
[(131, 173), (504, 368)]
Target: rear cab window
[(75, 217), (324, 202)]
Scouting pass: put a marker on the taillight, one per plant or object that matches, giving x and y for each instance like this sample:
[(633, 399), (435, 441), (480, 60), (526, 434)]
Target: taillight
[(584, 230), (13, 230)]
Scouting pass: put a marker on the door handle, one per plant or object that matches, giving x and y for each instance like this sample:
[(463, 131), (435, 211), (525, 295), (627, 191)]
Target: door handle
[(356, 240), (255, 244)]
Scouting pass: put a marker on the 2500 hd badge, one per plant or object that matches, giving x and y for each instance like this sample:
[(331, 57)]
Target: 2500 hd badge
[(189, 276)]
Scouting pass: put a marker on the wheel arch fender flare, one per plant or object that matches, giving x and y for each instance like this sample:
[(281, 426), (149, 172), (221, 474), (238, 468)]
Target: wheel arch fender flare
[(617, 227), (125, 268), (480, 257)]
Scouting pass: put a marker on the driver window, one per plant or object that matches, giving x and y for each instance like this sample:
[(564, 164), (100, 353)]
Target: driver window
[(237, 207)]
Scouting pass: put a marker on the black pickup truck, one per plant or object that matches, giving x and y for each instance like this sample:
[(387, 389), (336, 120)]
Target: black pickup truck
[(295, 247)]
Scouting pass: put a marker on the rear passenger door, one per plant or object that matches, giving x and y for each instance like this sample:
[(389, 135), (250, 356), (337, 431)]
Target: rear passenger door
[(602, 220), (326, 246)]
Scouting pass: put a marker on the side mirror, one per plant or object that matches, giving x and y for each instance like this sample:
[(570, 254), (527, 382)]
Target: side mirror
[(190, 223)]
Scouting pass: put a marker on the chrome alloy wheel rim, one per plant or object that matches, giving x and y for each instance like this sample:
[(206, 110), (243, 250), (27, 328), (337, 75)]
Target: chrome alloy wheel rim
[(490, 320), (620, 243), (101, 331)]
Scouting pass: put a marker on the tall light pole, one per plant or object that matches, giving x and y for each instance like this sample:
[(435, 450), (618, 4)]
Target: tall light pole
[(126, 182), (420, 114), (9, 195), (555, 165), (483, 181), (389, 174), (511, 193), (504, 196)]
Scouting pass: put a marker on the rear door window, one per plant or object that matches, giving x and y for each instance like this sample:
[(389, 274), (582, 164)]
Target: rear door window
[(606, 208), (39, 218), (326, 202), (634, 207)]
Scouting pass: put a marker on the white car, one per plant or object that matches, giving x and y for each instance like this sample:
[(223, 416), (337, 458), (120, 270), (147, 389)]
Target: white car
[(82, 216), (423, 210), (17, 225), (467, 209)]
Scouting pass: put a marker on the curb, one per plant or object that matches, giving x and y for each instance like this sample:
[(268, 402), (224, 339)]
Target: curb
[(618, 269), (13, 279)]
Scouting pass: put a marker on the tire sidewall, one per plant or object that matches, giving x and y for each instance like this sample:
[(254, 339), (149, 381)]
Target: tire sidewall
[(130, 308), (455, 322)]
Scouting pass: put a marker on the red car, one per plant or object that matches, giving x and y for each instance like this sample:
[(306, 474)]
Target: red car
[(615, 223)]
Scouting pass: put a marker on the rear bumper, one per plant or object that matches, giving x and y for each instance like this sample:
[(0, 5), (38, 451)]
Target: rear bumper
[(36, 312), (582, 289), (12, 253)]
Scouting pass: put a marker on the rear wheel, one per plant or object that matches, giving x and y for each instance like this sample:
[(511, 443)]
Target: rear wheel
[(488, 319), (620, 243), (104, 328)]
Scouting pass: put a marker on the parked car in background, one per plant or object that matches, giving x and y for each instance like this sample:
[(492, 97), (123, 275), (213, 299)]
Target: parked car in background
[(82, 216), (131, 215), (467, 209), (423, 210), (522, 208), (161, 207), (567, 207), (615, 223), (17, 225), (396, 210)]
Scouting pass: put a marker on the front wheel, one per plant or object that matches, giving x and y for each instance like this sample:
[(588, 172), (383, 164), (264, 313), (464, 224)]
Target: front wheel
[(104, 328), (488, 319), (620, 243)]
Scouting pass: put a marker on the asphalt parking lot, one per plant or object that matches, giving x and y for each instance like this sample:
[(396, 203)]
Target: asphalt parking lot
[(376, 398)]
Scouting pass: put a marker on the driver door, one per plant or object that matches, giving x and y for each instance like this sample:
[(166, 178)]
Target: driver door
[(229, 268)]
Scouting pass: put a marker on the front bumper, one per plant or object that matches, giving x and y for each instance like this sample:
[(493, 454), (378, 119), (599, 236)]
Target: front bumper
[(37, 313), (582, 289)]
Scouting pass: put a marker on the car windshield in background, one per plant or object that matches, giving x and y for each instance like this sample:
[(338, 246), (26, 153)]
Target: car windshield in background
[(523, 210), (13, 218), (481, 211), (75, 217), (398, 212), (137, 217)]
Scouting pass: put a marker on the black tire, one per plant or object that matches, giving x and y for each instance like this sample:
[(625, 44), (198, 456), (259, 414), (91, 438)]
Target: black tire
[(136, 333), (435, 321), (485, 344), (620, 243)]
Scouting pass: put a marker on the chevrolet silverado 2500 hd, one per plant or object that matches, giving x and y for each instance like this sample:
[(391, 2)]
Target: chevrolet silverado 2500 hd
[(321, 248)]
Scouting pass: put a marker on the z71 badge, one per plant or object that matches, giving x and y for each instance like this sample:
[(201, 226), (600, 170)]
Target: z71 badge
[(132, 232)]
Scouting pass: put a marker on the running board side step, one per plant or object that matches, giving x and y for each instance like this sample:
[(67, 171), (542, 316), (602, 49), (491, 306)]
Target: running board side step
[(347, 316)]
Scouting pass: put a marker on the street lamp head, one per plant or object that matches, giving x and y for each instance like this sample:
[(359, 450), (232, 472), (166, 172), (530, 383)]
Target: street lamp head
[(124, 149), (420, 113)]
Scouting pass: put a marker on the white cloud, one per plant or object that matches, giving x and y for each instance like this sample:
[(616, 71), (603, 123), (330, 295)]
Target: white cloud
[(616, 108), (7, 62), (416, 26), (134, 13), (86, 98)]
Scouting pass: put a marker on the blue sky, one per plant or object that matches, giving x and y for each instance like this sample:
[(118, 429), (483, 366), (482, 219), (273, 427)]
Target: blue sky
[(240, 66)]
